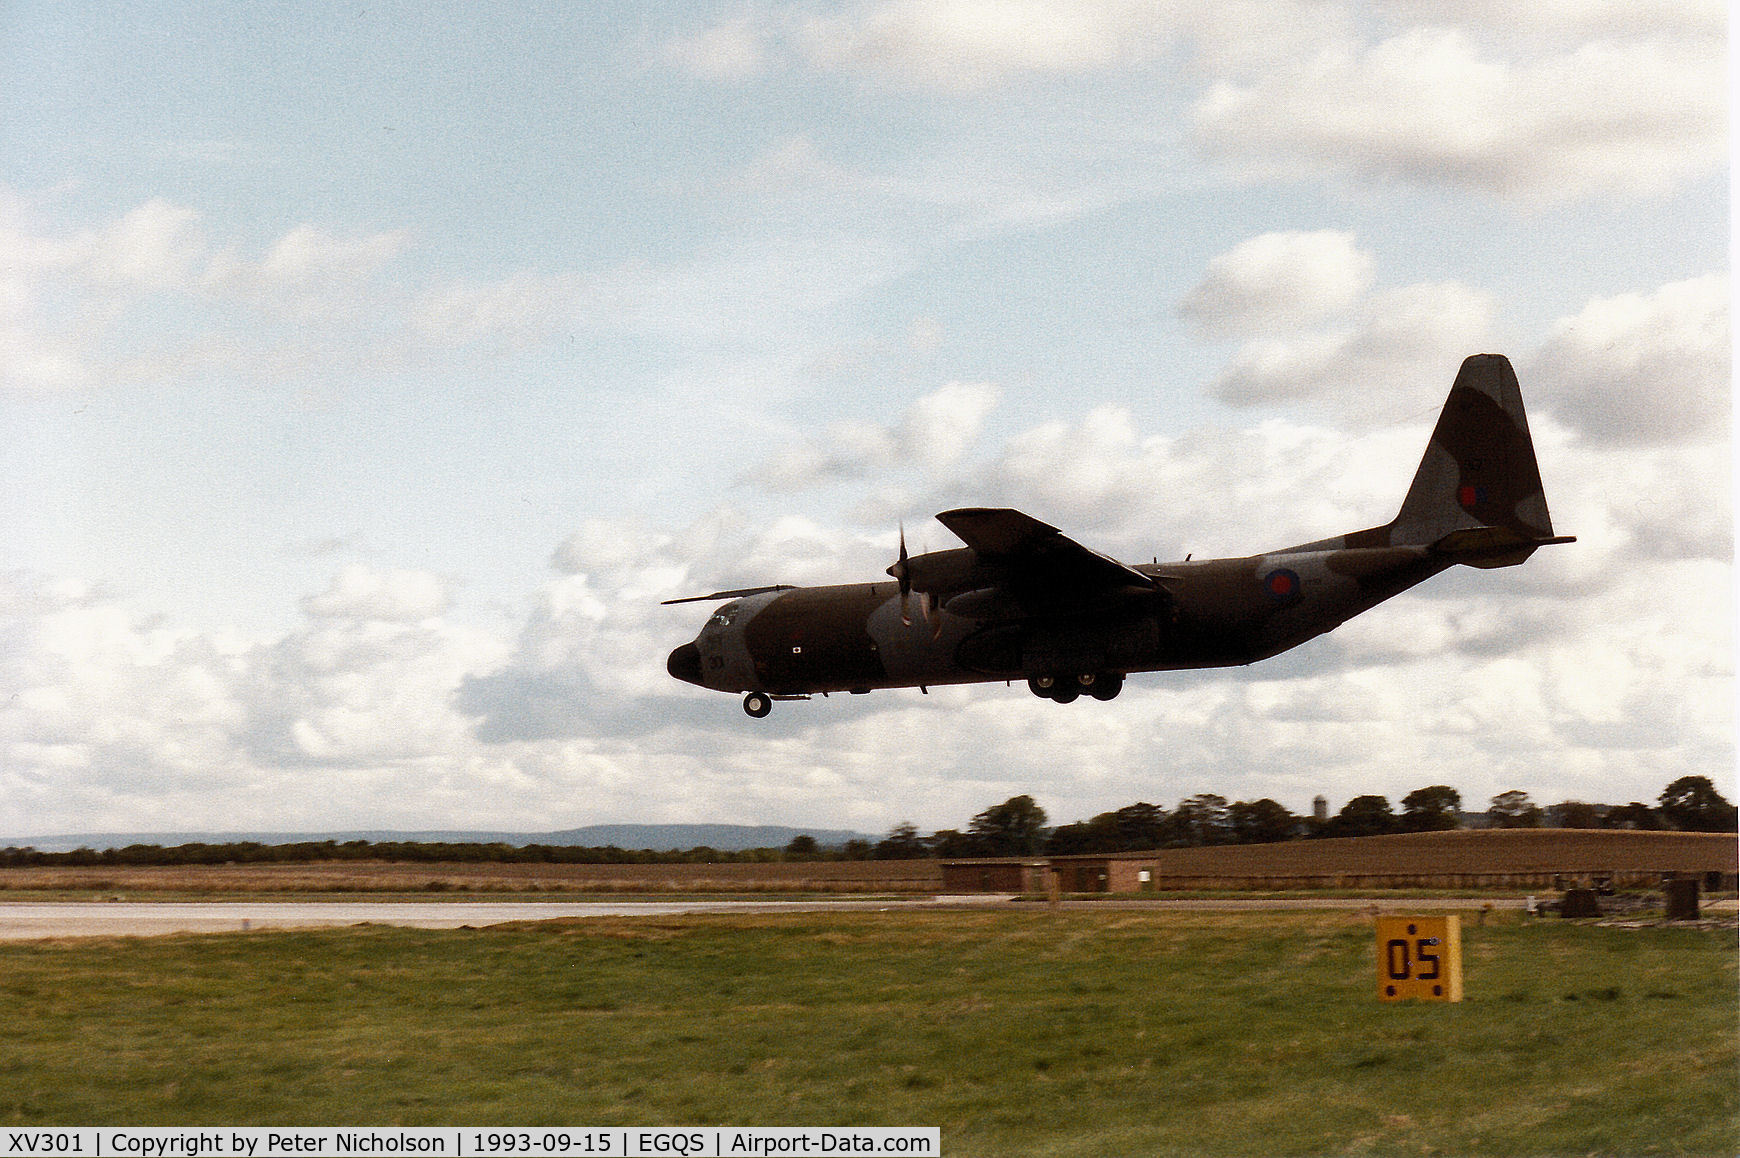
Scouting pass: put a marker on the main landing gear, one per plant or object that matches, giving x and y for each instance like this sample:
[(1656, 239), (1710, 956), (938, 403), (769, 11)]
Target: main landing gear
[(1066, 689)]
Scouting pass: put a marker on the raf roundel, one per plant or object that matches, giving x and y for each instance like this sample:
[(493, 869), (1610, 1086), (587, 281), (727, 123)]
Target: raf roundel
[(1282, 585)]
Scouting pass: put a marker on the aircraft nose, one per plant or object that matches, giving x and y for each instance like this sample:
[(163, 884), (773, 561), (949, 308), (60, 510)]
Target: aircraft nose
[(685, 663)]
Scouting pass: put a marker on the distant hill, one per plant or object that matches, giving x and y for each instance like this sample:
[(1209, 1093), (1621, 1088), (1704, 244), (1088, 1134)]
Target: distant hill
[(659, 837)]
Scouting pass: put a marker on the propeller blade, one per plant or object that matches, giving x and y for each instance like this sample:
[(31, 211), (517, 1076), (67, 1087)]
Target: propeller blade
[(902, 576)]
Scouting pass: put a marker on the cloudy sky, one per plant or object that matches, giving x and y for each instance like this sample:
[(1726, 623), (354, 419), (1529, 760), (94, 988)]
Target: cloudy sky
[(368, 373)]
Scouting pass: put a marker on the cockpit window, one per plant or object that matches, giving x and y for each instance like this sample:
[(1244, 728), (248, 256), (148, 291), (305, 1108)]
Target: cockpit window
[(723, 616)]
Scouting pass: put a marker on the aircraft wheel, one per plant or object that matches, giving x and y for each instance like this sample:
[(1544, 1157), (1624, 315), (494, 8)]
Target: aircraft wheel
[(1066, 691), (758, 704), (1042, 686), (1107, 686)]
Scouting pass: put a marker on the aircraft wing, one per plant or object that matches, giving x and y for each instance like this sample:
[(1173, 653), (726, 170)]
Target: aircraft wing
[(1039, 564)]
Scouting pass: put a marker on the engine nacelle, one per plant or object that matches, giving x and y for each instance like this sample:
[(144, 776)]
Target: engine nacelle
[(944, 572)]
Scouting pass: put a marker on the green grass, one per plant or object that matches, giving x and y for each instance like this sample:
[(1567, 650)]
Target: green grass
[(1024, 1032)]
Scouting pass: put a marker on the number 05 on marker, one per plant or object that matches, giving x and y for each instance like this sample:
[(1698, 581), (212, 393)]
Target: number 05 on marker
[(1419, 958)]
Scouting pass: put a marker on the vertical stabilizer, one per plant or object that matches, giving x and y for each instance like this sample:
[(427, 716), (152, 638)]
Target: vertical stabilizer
[(1477, 494)]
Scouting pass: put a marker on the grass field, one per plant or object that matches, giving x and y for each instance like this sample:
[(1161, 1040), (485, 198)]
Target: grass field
[(1021, 1032)]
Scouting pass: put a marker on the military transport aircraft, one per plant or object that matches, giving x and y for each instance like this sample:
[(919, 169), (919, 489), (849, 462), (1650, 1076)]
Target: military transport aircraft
[(1022, 601)]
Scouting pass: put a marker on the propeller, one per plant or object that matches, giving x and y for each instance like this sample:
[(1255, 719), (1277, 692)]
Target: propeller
[(903, 576), (902, 572)]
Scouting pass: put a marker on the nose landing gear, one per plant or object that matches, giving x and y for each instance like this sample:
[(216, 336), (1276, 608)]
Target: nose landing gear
[(758, 704), (1066, 689)]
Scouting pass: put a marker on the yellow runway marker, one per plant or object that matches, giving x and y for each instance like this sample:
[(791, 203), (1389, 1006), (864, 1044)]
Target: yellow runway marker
[(1419, 958)]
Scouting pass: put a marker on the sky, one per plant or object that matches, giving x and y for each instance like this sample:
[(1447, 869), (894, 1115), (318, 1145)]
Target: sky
[(369, 373)]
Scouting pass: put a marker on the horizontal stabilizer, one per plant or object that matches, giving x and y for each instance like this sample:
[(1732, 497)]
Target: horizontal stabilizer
[(1493, 546)]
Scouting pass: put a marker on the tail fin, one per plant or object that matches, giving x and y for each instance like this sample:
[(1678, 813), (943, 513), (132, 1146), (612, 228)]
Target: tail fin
[(1477, 495)]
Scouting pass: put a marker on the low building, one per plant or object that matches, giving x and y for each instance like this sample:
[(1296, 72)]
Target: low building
[(995, 875), (1121, 873)]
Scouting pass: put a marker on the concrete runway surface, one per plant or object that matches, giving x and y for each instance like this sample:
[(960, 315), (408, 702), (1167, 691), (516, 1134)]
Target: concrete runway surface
[(24, 921), (30, 920)]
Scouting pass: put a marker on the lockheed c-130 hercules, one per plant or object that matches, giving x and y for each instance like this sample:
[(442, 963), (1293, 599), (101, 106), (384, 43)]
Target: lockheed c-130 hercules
[(1022, 601)]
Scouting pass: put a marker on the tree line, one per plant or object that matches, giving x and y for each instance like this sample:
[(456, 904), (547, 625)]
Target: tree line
[(1016, 827), (445, 852)]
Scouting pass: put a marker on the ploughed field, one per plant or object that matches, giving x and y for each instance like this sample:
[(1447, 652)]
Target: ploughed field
[(1466, 858)]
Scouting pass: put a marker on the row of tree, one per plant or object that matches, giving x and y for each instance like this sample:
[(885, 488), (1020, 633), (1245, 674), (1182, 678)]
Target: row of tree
[(1017, 827), (416, 852)]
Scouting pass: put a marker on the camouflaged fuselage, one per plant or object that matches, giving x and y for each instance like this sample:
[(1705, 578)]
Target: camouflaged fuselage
[(1207, 613), (1021, 601)]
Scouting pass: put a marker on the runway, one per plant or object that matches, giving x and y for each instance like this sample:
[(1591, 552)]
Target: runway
[(27, 921), (31, 921)]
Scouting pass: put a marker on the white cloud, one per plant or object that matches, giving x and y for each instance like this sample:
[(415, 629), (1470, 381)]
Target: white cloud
[(107, 708), (795, 163), (124, 722), (934, 434), (362, 692), (148, 297), (1279, 280), (156, 246), (514, 312), (970, 44), (1643, 369), (1547, 102), (32, 358), (941, 428), (359, 592), (1582, 18), (1395, 351), (607, 544), (732, 49), (1428, 107), (307, 274)]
